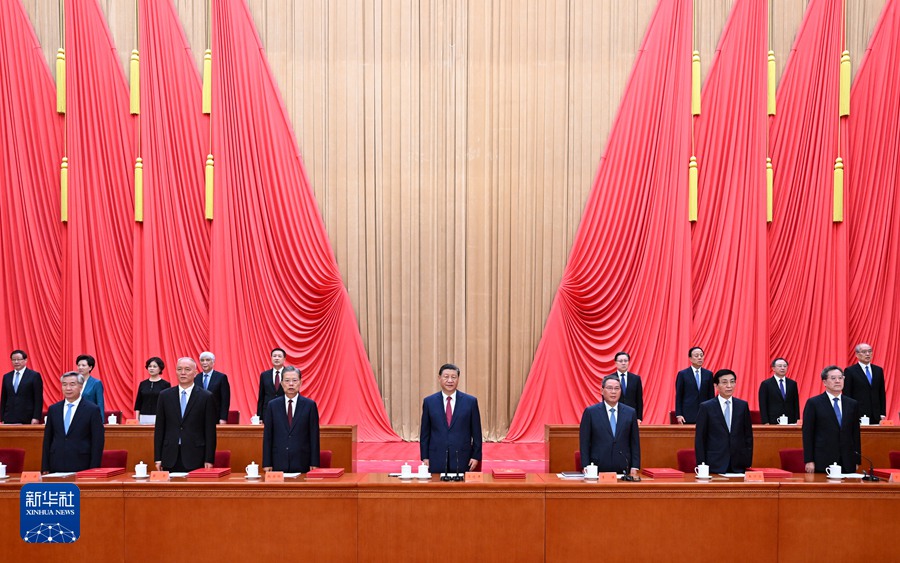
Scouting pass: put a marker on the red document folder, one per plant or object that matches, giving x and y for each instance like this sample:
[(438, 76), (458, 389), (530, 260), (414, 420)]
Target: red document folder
[(884, 473), (510, 473), (325, 473), (663, 472), (211, 473), (100, 472)]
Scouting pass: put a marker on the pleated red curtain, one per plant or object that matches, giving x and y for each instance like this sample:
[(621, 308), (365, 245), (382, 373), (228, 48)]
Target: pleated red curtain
[(728, 259), (807, 251), (31, 150), (627, 283), (274, 279), (172, 256), (873, 187), (98, 249)]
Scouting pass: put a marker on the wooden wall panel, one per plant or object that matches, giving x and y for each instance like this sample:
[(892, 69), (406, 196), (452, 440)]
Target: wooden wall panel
[(451, 145)]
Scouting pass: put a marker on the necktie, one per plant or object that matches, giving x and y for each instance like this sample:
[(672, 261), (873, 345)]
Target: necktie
[(697, 375), (728, 414), (68, 419), (183, 401), (205, 381), (837, 411), (277, 380), (19, 376), (449, 412), (622, 381), (869, 375), (290, 412), (612, 420), (781, 384)]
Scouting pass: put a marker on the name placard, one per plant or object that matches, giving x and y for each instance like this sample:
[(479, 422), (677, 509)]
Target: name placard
[(607, 477), (474, 477), (159, 476), (274, 477), (754, 477), (30, 477), (886, 422)]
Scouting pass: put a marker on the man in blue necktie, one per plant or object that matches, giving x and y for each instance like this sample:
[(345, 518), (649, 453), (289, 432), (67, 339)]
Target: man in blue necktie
[(864, 381), (723, 438), (216, 383), (73, 435), (693, 385), (185, 435), (609, 436), (22, 395), (831, 426)]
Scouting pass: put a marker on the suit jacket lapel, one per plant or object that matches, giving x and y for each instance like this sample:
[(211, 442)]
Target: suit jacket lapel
[(604, 418), (720, 416), (192, 400)]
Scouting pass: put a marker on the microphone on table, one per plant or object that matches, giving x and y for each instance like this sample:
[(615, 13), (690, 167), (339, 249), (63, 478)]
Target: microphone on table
[(869, 475), (457, 476), (625, 475), (446, 475)]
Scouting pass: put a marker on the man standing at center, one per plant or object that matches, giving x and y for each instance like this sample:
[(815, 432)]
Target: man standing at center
[(450, 435), (291, 429), (723, 439), (608, 435), (693, 385), (185, 435), (216, 383)]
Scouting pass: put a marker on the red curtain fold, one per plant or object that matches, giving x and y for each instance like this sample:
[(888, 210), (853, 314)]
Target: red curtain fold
[(172, 257), (31, 150), (275, 280), (807, 251), (633, 243), (100, 235), (728, 262), (873, 212)]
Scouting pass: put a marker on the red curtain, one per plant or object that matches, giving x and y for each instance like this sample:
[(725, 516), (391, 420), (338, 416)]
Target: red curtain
[(873, 213), (807, 250), (728, 261), (275, 280), (172, 255), (100, 235), (31, 141), (627, 283)]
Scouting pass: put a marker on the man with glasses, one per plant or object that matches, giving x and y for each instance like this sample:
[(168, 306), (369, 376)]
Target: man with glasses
[(450, 435), (831, 426), (864, 381), (608, 435)]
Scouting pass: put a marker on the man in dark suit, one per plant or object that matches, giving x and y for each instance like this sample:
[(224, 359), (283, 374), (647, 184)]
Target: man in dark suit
[(608, 435), (864, 382), (22, 396), (723, 439), (185, 435), (831, 427), (270, 382), (291, 431), (632, 390), (216, 383), (693, 385), (73, 435), (778, 395), (451, 427)]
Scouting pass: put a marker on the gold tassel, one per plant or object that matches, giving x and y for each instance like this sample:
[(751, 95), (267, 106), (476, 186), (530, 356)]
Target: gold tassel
[(207, 81), (845, 84), (64, 190), (771, 90), (135, 83), (695, 83), (770, 183), (838, 190), (139, 190), (692, 189), (61, 80), (210, 169)]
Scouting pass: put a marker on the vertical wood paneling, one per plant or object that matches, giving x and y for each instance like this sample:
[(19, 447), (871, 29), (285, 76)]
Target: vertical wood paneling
[(451, 145)]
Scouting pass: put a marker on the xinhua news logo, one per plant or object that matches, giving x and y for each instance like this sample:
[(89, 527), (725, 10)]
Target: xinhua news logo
[(50, 513)]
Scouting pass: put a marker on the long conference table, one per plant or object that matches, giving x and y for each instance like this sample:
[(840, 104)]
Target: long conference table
[(374, 517)]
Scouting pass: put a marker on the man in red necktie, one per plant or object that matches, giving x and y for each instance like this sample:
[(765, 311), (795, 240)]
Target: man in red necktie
[(450, 435), (291, 428)]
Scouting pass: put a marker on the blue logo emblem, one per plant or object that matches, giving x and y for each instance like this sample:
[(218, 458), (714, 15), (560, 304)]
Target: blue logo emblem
[(50, 513)]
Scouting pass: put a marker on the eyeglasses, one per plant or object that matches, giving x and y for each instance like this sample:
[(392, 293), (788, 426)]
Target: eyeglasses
[(449, 377)]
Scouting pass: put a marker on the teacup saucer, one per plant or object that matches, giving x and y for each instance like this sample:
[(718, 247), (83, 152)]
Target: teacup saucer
[(136, 476), (252, 478), (707, 478)]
